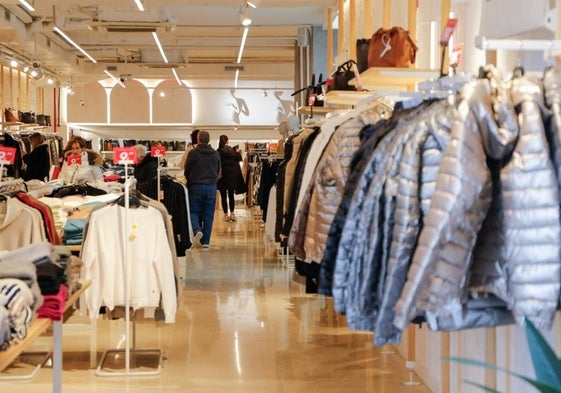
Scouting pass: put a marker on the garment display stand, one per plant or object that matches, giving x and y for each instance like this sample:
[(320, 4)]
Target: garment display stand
[(113, 371)]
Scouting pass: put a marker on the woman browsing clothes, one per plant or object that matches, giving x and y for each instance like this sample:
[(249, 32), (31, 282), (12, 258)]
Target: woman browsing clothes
[(38, 161), (86, 169), (231, 182)]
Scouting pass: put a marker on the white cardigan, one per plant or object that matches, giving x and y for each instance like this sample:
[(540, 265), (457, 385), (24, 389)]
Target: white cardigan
[(151, 271)]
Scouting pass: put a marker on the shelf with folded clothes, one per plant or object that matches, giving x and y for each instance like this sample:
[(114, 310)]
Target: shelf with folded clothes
[(37, 328)]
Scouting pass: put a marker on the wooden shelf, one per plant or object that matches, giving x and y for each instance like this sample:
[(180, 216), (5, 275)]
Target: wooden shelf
[(347, 97), (375, 77), (314, 110)]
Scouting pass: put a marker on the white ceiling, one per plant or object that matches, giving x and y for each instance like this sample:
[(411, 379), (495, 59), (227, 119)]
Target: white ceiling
[(199, 38)]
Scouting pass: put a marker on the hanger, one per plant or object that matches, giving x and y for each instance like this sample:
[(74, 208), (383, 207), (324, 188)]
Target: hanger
[(135, 199)]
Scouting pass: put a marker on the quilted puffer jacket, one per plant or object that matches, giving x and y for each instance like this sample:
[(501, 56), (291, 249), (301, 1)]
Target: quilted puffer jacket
[(486, 127), (372, 230), (370, 141), (311, 225), (417, 174)]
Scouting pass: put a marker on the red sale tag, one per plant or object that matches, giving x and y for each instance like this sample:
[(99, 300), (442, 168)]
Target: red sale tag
[(74, 159), (448, 31), (7, 155), (158, 151), (456, 56), (124, 155)]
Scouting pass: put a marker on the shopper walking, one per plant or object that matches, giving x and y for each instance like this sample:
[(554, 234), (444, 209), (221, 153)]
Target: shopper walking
[(231, 181), (38, 161), (201, 171)]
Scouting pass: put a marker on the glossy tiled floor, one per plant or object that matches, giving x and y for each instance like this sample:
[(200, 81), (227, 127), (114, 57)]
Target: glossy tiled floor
[(244, 326)]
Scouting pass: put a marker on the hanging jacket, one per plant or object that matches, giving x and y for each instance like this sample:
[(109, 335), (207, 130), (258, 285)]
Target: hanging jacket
[(309, 231), (532, 230), (486, 127), (370, 138), (414, 187)]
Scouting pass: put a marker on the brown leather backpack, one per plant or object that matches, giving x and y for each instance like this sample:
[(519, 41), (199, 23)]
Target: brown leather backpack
[(391, 48)]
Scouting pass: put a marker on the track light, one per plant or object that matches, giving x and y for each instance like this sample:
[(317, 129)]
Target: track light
[(14, 63), (245, 19)]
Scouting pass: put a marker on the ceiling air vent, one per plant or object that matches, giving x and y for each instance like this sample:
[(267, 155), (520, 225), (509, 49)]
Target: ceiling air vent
[(233, 68), (132, 27)]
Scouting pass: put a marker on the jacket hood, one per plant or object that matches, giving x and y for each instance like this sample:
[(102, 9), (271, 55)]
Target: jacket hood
[(205, 149)]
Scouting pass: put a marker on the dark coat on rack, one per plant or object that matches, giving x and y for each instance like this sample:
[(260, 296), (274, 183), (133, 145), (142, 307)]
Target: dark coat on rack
[(232, 178)]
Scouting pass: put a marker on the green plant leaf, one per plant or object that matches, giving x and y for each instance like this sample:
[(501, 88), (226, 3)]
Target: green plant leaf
[(546, 364), (543, 387)]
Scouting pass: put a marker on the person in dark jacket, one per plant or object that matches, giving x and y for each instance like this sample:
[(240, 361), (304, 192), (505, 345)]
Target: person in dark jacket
[(231, 181), (146, 170), (202, 170), (38, 160)]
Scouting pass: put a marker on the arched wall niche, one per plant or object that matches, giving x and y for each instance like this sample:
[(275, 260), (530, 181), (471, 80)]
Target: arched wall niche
[(172, 103), (88, 104), (129, 104)]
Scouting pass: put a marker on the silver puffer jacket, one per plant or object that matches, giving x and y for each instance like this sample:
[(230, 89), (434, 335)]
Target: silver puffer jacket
[(308, 234), (487, 129)]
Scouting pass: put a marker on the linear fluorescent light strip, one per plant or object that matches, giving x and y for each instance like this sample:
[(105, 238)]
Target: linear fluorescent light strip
[(249, 3), (27, 5), (139, 5), (159, 45), (242, 45), (176, 76), (114, 78), (75, 45)]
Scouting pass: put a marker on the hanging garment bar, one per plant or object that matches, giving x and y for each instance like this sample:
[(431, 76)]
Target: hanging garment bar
[(483, 43)]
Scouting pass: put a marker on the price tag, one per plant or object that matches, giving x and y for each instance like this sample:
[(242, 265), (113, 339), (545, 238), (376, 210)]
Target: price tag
[(74, 159), (448, 31), (7, 155), (124, 155), (158, 151)]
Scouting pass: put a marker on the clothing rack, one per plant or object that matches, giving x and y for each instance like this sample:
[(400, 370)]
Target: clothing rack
[(129, 182), (483, 43)]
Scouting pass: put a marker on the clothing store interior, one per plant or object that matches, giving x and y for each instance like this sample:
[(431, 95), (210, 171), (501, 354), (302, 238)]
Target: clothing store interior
[(189, 190)]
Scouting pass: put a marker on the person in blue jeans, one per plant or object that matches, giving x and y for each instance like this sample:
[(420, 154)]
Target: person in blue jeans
[(202, 170)]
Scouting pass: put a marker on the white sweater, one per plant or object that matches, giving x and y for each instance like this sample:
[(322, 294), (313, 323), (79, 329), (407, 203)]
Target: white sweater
[(151, 270)]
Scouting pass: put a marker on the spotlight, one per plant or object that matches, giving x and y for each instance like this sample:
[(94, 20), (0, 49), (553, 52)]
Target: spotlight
[(13, 63), (244, 15), (50, 81), (25, 68)]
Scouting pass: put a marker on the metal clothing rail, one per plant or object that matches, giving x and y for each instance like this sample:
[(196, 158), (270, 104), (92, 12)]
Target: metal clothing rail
[(129, 349), (481, 42)]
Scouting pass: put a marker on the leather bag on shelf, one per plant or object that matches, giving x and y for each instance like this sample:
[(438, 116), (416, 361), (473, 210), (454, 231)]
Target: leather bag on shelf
[(341, 77), (362, 47), (391, 48), (11, 115), (29, 118), (41, 120)]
